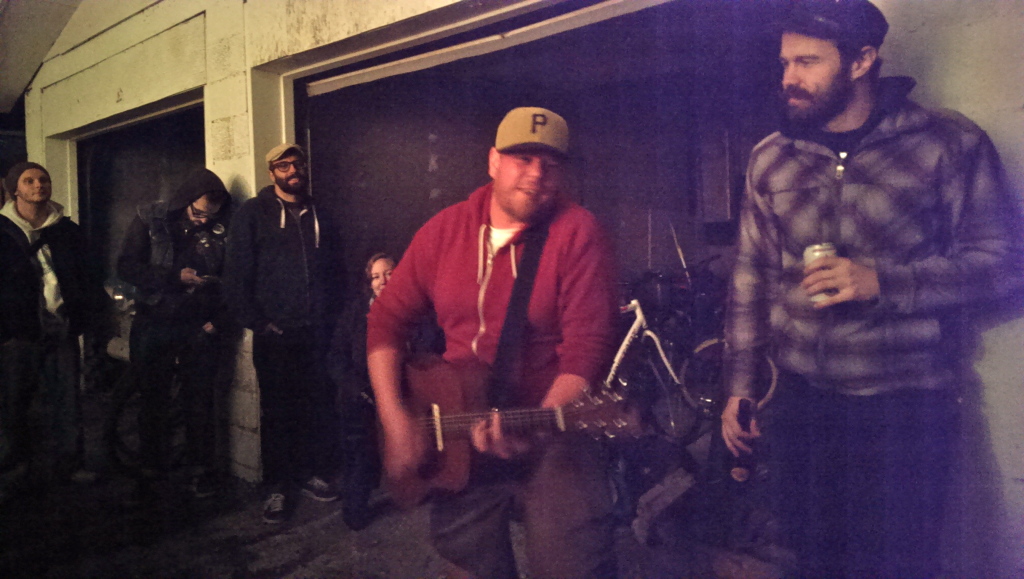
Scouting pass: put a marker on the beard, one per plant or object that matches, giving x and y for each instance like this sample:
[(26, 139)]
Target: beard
[(298, 187), (824, 106)]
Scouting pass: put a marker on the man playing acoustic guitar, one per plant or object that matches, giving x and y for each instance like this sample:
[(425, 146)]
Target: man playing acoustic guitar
[(464, 263)]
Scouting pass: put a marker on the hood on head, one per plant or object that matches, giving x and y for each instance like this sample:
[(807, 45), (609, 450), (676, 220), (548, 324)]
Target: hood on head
[(198, 183)]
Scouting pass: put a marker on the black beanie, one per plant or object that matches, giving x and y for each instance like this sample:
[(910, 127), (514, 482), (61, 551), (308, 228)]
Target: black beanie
[(853, 23), (11, 181)]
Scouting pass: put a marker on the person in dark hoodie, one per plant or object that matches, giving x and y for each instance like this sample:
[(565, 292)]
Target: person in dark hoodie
[(174, 256), (282, 279), (870, 340), (51, 291)]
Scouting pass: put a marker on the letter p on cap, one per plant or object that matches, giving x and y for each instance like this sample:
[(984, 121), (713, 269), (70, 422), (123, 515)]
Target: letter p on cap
[(539, 120)]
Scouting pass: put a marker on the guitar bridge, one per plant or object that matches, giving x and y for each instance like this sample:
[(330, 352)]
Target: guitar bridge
[(435, 411)]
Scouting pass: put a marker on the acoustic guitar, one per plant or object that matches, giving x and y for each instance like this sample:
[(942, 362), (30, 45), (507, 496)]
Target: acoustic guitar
[(450, 399)]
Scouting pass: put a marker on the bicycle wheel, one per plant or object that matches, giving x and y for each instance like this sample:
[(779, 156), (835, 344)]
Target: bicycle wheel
[(121, 431), (671, 414), (702, 378)]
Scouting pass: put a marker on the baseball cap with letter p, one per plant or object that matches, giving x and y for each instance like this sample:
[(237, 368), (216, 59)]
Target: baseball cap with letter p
[(533, 129)]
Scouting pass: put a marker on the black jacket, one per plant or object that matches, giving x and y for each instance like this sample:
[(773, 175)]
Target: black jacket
[(346, 359), (279, 270), (161, 241), (86, 304)]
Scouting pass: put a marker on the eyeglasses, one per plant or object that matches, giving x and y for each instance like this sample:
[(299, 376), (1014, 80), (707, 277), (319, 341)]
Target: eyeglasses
[(200, 214), (283, 166)]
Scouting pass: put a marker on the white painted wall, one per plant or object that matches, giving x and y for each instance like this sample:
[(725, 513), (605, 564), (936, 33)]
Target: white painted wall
[(115, 58), (968, 55)]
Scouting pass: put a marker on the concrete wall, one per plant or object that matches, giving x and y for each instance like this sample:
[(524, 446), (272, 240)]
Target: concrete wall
[(120, 62), (969, 56), (117, 62)]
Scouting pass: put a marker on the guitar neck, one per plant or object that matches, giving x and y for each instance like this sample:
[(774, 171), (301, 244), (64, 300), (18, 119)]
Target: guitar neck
[(517, 421)]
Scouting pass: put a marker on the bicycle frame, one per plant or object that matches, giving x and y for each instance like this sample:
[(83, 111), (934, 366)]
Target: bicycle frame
[(638, 328)]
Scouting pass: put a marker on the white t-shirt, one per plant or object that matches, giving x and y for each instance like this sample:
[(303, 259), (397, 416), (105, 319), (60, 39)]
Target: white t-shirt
[(500, 237)]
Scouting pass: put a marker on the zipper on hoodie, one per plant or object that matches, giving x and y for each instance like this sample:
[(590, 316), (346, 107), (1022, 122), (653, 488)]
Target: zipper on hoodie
[(305, 262), (302, 244), (841, 167), (821, 353)]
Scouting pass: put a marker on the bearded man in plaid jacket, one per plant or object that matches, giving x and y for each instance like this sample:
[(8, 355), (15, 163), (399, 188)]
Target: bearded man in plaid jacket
[(869, 342)]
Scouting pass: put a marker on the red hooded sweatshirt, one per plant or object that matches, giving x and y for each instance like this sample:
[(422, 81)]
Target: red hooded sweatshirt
[(571, 315)]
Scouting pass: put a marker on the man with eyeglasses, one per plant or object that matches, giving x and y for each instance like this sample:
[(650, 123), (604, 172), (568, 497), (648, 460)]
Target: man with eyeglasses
[(173, 254), (280, 279)]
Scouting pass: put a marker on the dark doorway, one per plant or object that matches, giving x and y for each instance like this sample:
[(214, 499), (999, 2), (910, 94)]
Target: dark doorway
[(121, 169), (12, 137), (663, 105)]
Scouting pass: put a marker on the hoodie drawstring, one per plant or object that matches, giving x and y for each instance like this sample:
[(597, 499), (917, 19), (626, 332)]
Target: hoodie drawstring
[(281, 203), (316, 222), (316, 229), (480, 255)]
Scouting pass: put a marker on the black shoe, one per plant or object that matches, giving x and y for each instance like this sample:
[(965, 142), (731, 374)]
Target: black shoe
[(317, 489), (203, 486), (274, 509), (142, 494)]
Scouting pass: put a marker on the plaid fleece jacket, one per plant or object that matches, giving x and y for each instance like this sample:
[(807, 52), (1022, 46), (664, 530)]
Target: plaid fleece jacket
[(923, 198)]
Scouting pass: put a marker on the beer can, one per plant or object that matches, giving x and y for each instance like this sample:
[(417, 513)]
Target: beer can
[(813, 252)]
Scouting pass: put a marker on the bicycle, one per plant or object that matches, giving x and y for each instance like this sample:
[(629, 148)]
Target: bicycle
[(680, 390), (121, 427)]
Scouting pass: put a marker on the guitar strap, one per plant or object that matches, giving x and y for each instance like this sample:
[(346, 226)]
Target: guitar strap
[(505, 373)]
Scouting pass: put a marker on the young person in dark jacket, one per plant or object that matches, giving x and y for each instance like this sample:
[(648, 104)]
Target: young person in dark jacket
[(50, 293), (346, 367), (174, 255), (281, 280)]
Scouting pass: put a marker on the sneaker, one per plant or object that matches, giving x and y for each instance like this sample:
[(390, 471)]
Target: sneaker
[(273, 509), (317, 489), (83, 476), (202, 486)]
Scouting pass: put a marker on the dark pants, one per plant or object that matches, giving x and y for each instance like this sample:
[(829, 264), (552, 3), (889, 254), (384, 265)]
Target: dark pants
[(155, 347), (564, 496), (298, 424), (863, 478), (50, 366), (360, 456)]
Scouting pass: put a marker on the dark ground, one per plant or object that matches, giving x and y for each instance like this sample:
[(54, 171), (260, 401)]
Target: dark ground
[(73, 530)]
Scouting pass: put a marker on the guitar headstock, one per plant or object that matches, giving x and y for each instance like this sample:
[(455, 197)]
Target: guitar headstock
[(603, 415)]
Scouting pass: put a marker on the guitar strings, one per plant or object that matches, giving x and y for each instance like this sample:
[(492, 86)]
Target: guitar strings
[(512, 419)]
